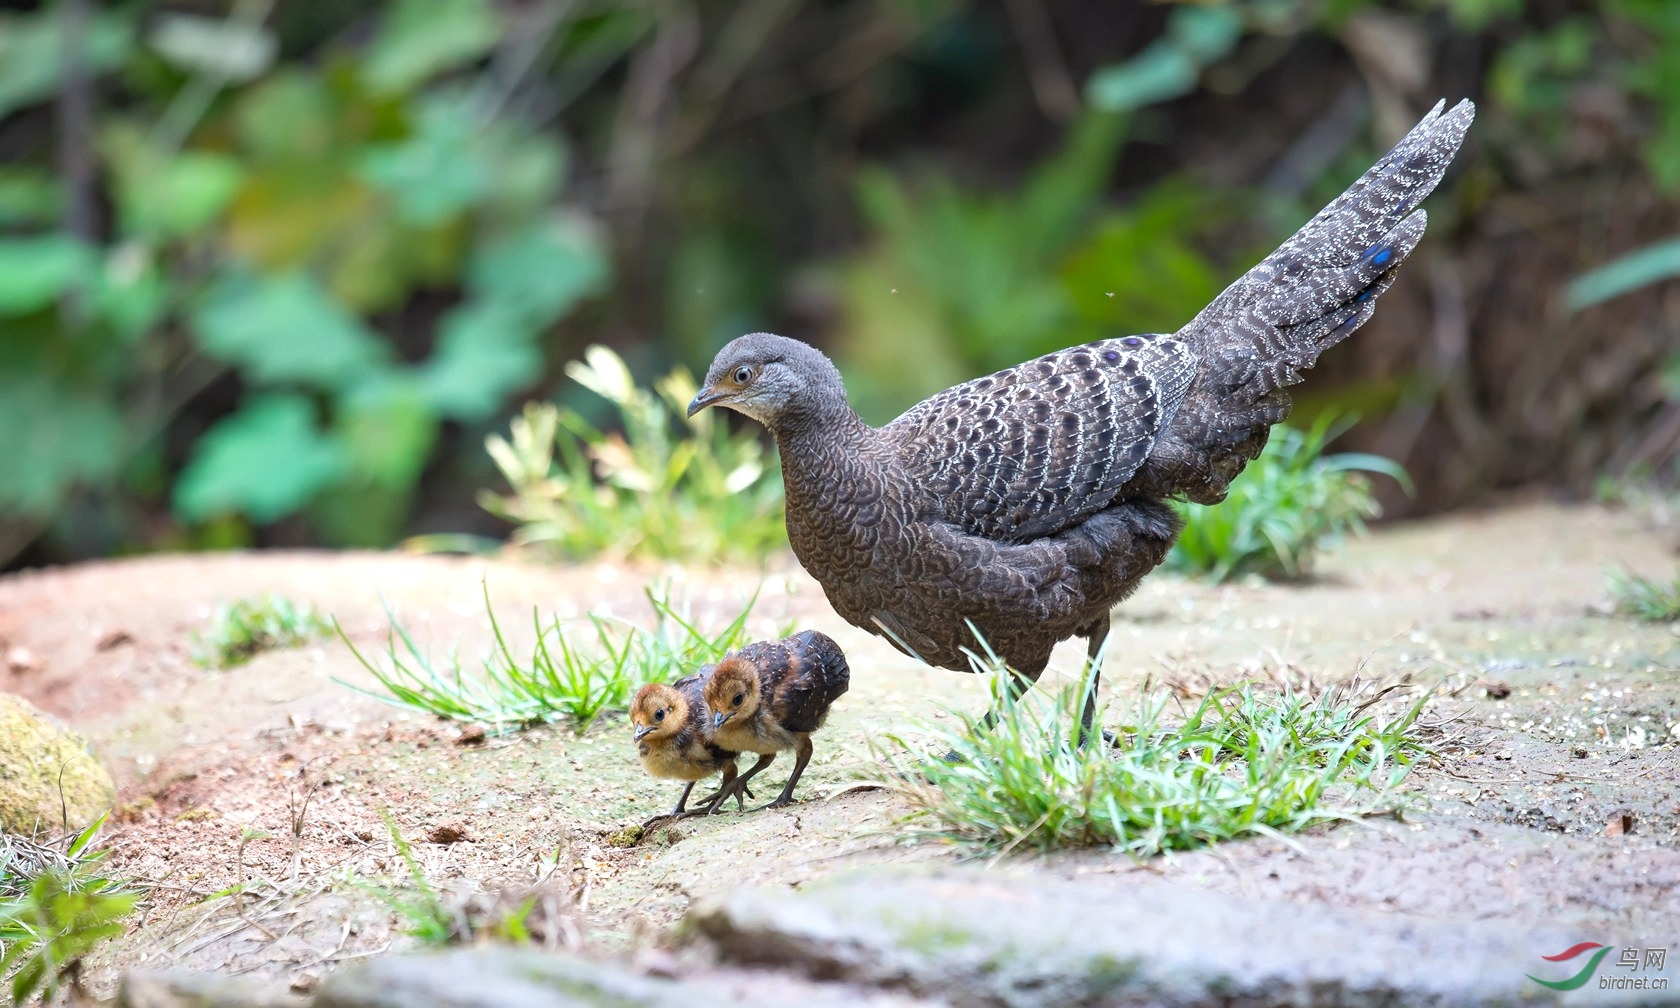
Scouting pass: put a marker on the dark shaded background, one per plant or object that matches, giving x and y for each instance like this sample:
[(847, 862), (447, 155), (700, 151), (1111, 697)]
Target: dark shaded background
[(270, 272)]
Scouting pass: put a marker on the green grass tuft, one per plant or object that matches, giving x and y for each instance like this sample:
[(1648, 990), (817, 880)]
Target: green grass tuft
[(1645, 598), (421, 908), (1242, 763), (574, 670), (539, 914), (56, 906), (241, 629), (1289, 505), (667, 488)]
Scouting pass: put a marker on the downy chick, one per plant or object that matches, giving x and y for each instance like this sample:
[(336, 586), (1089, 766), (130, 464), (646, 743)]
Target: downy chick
[(673, 739), (772, 695)]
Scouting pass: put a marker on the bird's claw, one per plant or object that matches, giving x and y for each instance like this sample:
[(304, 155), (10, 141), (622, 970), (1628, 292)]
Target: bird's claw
[(719, 798)]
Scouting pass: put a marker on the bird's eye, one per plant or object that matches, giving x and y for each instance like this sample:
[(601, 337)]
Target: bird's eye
[(659, 715), (738, 698), (743, 375)]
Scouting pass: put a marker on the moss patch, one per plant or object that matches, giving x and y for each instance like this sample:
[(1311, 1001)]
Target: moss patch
[(47, 775)]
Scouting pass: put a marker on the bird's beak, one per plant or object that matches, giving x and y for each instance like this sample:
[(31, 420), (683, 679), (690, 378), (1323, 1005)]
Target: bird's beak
[(720, 717), (641, 731), (706, 397)]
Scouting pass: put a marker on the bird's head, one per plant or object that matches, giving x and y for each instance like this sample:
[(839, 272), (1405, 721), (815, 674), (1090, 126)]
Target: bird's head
[(732, 692), (770, 378), (657, 710)]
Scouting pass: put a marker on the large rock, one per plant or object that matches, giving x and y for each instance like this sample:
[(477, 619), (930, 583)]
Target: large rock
[(178, 989), (501, 977), (47, 774), (993, 939)]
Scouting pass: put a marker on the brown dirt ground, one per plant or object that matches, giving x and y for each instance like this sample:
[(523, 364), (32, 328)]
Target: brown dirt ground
[(1557, 801)]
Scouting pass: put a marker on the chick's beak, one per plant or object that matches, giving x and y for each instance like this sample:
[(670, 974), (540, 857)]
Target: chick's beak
[(706, 397), (720, 717), (641, 731)]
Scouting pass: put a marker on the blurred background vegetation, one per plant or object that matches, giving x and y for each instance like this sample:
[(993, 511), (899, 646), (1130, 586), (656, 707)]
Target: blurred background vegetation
[(271, 271)]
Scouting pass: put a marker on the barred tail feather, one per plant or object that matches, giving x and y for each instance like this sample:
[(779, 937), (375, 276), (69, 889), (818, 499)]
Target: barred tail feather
[(1312, 293)]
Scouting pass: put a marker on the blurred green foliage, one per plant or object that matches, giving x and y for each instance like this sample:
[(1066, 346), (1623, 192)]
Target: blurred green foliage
[(266, 213), (1289, 506), (665, 488), (1649, 599), (975, 282), (240, 630)]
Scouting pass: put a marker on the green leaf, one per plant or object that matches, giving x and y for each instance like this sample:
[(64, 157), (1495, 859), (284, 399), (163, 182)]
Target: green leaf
[(225, 49), (1649, 265), (57, 436), (484, 351), (286, 328), (437, 172), (168, 197), (1205, 33), (288, 116), (129, 291), (1162, 71), (422, 38), (266, 461), (539, 271), (529, 167), (29, 197), (32, 53), (36, 272), (388, 429)]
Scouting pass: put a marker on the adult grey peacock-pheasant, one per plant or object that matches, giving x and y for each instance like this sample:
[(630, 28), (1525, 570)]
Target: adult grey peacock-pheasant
[(1030, 502)]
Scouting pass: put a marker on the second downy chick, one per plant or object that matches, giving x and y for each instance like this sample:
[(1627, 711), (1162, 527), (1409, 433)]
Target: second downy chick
[(772, 695), (674, 740)]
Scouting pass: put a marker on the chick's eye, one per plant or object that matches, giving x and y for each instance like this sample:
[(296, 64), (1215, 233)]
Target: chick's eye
[(743, 375), (659, 715), (738, 698)]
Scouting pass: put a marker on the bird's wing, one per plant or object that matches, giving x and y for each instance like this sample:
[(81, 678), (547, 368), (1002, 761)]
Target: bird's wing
[(1039, 447), (1323, 283)]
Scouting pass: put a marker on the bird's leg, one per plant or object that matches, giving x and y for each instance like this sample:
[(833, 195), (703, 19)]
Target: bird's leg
[(740, 787), (1018, 685), (682, 799), (802, 756), (1098, 633), (726, 787), (676, 813), (764, 760)]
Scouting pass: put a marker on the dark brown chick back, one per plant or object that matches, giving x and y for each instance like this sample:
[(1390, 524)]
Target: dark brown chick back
[(799, 678)]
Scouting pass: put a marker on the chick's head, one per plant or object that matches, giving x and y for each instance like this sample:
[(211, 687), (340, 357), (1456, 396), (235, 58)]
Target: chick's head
[(657, 710), (732, 691)]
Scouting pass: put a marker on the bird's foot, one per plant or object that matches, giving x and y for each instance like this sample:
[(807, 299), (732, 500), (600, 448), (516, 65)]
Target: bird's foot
[(720, 798)]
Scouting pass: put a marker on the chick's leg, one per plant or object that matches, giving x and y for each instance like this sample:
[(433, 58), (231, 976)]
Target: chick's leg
[(682, 799), (802, 756), (676, 813), (764, 760), (726, 787)]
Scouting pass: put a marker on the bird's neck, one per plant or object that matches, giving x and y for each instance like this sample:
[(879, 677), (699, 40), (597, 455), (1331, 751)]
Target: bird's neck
[(826, 436)]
